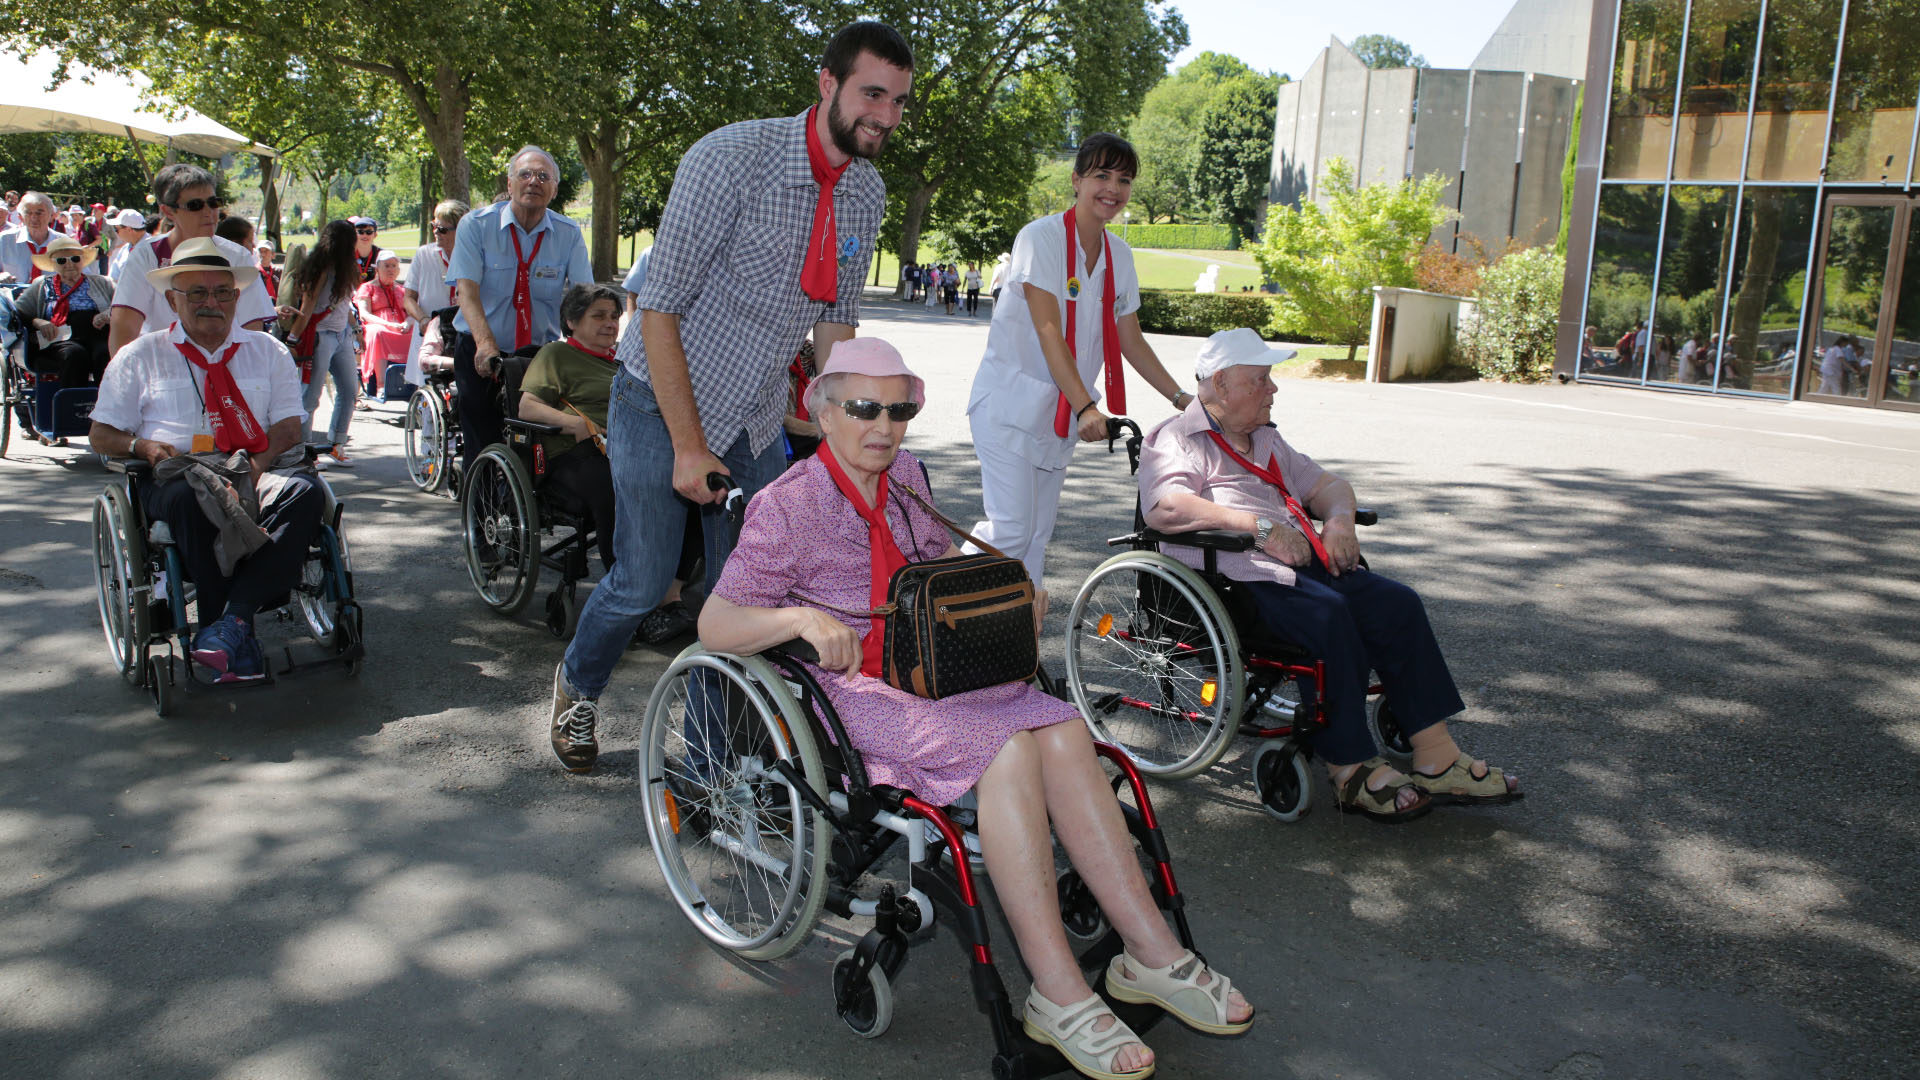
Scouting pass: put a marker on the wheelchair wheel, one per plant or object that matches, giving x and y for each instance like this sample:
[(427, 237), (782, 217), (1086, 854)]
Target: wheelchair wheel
[(121, 581), (502, 534), (1080, 913), (320, 597), (1281, 779), (869, 1011), (742, 852), (1384, 725), (160, 684), (563, 612), (426, 441), (1154, 664)]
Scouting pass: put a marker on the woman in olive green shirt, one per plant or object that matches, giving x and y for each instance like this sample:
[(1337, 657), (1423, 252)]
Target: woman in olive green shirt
[(569, 385)]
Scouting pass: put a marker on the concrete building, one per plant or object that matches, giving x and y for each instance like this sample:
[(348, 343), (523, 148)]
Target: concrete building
[(1746, 212)]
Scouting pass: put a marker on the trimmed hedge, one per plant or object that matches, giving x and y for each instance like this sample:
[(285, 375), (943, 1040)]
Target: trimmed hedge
[(1201, 314), (1194, 237)]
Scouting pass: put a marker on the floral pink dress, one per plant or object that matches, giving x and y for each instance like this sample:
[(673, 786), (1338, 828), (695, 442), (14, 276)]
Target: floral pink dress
[(802, 536)]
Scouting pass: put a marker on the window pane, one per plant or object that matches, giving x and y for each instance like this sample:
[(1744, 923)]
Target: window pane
[(1852, 284), (1713, 96), (1769, 289), (1790, 104), (1873, 107), (1694, 265), (1903, 379), (1640, 126), (1618, 295)]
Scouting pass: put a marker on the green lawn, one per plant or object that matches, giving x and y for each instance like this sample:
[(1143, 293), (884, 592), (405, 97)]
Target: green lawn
[(1178, 269)]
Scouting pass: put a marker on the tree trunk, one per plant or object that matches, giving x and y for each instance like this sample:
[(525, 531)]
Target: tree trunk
[(325, 184), (1353, 350), (598, 152), (912, 221), (270, 200), (442, 110)]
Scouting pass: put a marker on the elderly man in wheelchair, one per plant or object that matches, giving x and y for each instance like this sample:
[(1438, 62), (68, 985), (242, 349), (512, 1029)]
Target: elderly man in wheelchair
[(1222, 466), (817, 546), (214, 411)]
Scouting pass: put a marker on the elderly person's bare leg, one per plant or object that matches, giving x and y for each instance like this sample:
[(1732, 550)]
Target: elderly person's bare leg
[(1017, 843)]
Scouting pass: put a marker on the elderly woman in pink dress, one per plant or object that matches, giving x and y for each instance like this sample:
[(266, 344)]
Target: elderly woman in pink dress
[(385, 324), (828, 533)]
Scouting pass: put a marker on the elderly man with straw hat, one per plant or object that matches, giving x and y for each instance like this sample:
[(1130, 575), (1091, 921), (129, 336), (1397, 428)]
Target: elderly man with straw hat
[(69, 306), (206, 388)]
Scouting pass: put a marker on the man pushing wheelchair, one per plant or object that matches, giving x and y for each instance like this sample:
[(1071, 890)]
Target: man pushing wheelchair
[(215, 409)]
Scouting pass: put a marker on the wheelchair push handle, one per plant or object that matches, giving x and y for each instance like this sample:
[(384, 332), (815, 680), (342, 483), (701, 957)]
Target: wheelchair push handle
[(736, 501), (1116, 426)]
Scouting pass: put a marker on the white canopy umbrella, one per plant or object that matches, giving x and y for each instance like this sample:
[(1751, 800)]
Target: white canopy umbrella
[(102, 103)]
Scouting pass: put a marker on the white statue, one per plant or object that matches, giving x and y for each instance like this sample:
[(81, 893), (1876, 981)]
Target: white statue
[(1208, 281)]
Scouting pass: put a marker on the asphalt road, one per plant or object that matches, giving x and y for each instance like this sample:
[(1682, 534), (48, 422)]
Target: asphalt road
[(1689, 625)]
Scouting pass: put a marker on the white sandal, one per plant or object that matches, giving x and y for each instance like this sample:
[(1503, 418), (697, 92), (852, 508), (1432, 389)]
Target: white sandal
[(1176, 988), (1070, 1029)]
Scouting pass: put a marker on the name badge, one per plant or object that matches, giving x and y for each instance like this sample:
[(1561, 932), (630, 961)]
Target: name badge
[(546, 272), (202, 443)]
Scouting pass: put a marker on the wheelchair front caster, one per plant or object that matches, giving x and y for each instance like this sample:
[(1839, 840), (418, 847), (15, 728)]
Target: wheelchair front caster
[(1281, 780), (563, 612), (1384, 725), (865, 1005), (160, 683), (1079, 912)]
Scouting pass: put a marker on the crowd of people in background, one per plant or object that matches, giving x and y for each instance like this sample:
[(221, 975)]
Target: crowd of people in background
[(940, 285)]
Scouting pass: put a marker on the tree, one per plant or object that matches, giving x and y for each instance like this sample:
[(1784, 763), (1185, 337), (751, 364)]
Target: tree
[(1327, 259), (1381, 51), (1167, 134), (1236, 153)]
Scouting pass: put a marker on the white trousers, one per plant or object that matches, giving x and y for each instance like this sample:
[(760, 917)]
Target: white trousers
[(1021, 500)]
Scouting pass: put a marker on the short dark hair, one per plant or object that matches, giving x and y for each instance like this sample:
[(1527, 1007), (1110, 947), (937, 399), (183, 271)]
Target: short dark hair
[(877, 38), (580, 299), (235, 228), (1105, 150), (169, 182)]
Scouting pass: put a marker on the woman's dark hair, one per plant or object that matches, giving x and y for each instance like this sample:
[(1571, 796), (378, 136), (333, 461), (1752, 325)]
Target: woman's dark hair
[(877, 38), (236, 228), (333, 251), (1106, 150), (580, 298)]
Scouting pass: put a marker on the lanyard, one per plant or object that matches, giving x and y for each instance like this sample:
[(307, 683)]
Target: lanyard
[(1271, 474)]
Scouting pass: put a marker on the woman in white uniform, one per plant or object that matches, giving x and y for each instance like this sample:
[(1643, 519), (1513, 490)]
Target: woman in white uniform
[(1069, 310)]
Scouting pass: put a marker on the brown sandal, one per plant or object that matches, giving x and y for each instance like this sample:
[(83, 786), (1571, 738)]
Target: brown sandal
[(1458, 785), (1355, 797)]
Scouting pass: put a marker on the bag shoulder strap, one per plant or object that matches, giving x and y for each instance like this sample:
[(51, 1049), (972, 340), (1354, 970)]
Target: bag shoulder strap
[(948, 522)]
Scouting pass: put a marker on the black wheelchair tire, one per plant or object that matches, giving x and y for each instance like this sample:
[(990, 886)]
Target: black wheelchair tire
[(1384, 725), (119, 573), (491, 520), (870, 1010), (1080, 913), (1281, 779), (563, 612), (427, 454), (160, 686)]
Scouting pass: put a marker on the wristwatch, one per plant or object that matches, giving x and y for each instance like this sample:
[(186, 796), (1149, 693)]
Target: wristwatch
[(1262, 530)]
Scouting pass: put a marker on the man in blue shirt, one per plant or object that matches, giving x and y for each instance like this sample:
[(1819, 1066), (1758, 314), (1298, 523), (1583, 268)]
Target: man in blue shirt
[(511, 264)]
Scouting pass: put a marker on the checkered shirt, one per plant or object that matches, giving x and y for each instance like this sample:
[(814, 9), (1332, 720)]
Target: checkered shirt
[(727, 259)]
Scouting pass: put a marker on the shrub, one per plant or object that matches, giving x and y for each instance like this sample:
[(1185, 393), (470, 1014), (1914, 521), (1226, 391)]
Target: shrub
[(1511, 338), (1192, 237), (1200, 314)]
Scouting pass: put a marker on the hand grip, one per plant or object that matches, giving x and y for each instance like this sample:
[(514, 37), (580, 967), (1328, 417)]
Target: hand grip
[(799, 650)]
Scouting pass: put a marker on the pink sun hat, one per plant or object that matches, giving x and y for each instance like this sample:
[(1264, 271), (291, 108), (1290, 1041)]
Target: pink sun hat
[(864, 356)]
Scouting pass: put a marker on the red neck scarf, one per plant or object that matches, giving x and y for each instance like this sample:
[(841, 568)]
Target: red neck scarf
[(308, 338), (36, 249), (523, 287), (575, 342), (801, 380), (234, 426), (272, 286), (1109, 331), (1271, 474), (62, 299), (885, 554), (366, 264), (391, 302), (820, 274)]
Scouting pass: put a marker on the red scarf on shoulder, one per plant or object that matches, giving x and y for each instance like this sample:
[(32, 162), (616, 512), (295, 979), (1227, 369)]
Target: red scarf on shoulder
[(884, 554)]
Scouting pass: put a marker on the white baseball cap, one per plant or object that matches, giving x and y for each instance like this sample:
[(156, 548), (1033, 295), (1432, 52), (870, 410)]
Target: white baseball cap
[(131, 219), (1231, 348), (386, 255)]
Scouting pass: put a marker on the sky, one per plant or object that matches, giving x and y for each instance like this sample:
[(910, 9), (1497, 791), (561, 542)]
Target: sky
[(1285, 35)]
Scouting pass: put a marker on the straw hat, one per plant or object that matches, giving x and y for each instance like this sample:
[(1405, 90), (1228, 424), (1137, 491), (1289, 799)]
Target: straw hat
[(62, 244), (202, 253)]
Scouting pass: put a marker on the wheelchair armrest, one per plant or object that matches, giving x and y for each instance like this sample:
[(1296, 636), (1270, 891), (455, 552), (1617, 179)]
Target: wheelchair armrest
[(132, 468), (1217, 539), (798, 649), (1366, 516), (532, 427)]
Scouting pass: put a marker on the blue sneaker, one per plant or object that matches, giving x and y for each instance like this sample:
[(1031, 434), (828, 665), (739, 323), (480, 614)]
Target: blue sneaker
[(229, 647)]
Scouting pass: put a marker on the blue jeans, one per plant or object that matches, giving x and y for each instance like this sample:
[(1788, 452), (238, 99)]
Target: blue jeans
[(647, 528), (333, 357)]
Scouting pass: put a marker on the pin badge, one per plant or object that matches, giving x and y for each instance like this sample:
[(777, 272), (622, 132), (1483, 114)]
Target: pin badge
[(849, 247), (1073, 288)]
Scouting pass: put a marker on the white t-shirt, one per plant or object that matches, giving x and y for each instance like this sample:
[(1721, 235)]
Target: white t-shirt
[(973, 279), (427, 279), (132, 289), (1012, 389), (118, 261), (153, 391)]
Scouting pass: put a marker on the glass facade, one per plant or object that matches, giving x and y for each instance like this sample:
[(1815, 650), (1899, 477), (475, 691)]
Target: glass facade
[(1755, 231)]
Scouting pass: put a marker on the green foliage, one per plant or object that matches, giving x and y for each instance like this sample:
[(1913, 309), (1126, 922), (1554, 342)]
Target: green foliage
[(1326, 259), (26, 161), (1567, 173), (1176, 237), (1051, 190), (1382, 51), (1511, 338), (1236, 154), (1201, 314), (1167, 133)]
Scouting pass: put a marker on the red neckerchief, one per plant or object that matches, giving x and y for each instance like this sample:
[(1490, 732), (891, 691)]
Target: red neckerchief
[(234, 426), (1109, 332), (366, 264), (308, 338), (820, 273), (801, 380), (884, 554), (61, 299), (523, 287), (1271, 474), (575, 342), (33, 250), (386, 294), (266, 281)]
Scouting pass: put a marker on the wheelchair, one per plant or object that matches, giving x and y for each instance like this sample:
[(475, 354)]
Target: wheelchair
[(34, 400), (512, 527), (1169, 663), (431, 430), (761, 817), (143, 592)]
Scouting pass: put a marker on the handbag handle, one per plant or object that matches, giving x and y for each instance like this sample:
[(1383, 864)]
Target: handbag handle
[(948, 522)]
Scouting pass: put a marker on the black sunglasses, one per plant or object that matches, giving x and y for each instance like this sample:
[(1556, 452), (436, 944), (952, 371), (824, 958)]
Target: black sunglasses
[(862, 409), (441, 229), (366, 230), (194, 206), (62, 260)]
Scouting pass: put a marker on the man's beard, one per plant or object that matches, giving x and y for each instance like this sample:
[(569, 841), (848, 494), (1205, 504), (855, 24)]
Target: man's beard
[(845, 135)]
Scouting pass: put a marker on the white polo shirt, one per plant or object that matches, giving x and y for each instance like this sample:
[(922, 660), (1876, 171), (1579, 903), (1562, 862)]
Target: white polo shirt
[(427, 279), (132, 289), (156, 393), (17, 251), (1012, 391)]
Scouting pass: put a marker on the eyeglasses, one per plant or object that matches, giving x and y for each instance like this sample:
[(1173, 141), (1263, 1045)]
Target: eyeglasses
[(442, 230), (62, 260), (225, 294), (531, 176), (865, 410), (194, 206), (366, 230)]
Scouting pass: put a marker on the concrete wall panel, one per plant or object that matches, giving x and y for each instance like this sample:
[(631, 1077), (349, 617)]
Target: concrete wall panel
[(1343, 114), (1493, 140), (1289, 177), (1440, 131), (1383, 150), (1306, 131), (1543, 155)]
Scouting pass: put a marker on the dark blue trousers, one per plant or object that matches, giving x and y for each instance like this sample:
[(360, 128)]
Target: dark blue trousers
[(1358, 622)]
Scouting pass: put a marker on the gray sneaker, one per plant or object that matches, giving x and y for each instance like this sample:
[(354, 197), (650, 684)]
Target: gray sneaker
[(571, 724)]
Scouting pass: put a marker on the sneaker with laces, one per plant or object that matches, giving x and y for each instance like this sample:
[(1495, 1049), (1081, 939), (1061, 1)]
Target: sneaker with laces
[(570, 726), (228, 646)]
